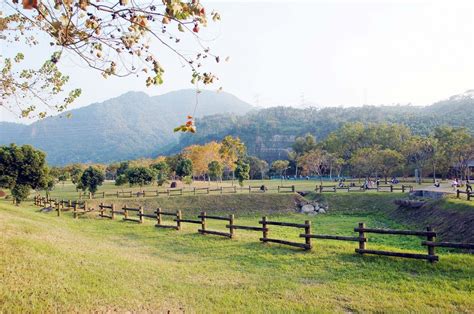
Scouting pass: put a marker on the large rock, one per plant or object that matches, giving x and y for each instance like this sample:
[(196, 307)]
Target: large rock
[(308, 208)]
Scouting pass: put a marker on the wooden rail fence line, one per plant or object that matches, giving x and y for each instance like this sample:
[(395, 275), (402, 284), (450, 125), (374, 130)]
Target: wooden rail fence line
[(468, 193), (381, 188), (306, 226), (159, 219), (429, 234), (81, 208), (286, 189), (204, 230)]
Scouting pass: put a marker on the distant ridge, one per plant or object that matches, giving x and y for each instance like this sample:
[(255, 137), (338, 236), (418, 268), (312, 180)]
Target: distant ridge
[(128, 126), (136, 125)]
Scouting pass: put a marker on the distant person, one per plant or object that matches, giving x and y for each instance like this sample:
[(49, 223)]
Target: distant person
[(437, 184), (378, 182), (468, 186)]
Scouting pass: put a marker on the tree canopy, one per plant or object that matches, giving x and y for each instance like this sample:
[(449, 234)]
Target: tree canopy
[(22, 168)]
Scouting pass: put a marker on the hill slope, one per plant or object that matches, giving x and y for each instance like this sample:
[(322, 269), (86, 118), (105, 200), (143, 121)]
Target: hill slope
[(129, 126), (61, 264), (270, 132)]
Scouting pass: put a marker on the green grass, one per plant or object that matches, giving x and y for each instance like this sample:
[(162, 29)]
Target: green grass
[(68, 190), (51, 263)]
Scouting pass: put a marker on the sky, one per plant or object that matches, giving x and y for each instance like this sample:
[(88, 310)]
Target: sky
[(323, 53)]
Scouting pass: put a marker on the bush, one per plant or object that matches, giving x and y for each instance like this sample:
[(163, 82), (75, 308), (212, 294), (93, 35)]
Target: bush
[(187, 180), (20, 192)]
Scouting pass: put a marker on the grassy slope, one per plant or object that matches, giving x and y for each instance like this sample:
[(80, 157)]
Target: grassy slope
[(50, 263)]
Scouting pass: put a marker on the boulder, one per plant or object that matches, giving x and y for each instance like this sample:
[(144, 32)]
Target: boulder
[(308, 208)]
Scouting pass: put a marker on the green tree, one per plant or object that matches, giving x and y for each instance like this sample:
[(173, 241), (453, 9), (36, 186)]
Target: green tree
[(140, 176), (364, 161), (91, 179), (184, 167), (304, 144), (121, 180), (280, 166), (258, 167), (21, 169), (75, 172), (454, 149), (314, 162), (232, 149), (388, 160), (122, 168), (242, 170), (419, 151), (162, 171), (215, 170)]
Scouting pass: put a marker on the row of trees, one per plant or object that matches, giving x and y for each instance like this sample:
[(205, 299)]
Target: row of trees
[(23, 168), (382, 150)]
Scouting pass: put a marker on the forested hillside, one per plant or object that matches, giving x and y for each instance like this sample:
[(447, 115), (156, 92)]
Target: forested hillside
[(136, 125), (269, 133), (126, 127)]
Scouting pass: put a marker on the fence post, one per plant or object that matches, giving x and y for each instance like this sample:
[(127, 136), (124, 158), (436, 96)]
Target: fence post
[(125, 211), (321, 188), (403, 188), (75, 210), (222, 189), (178, 220), (361, 236), (264, 229), (168, 191), (431, 249), (391, 188), (58, 208), (194, 190), (231, 224), (293, 188), (118, 194), (112, 212), (307, 232), (457, 193), (278, 189), (203, 221), (140, 214), (101, 210), (158, 216)]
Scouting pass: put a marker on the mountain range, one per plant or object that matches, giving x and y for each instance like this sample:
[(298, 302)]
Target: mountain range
[(130, 126), (136, 125)]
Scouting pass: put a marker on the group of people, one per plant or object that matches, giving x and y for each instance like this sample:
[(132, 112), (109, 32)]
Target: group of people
[(456, 183)]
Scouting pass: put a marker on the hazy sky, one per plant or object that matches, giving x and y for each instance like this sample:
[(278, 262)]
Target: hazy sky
[(328, 53)]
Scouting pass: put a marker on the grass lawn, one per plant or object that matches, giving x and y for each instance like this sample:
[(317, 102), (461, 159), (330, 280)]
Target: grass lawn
[(51, 263), (68, 190)]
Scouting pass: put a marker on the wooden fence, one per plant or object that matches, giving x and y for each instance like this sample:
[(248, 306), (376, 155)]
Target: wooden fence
[(235, 189), (306, 226), (110, 212), (204, 230), (429, 234), (286, 189), (468, 193), (381, 188)]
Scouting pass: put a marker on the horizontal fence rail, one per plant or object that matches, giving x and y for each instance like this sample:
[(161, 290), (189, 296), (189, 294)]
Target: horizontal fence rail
[(109, 211)]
